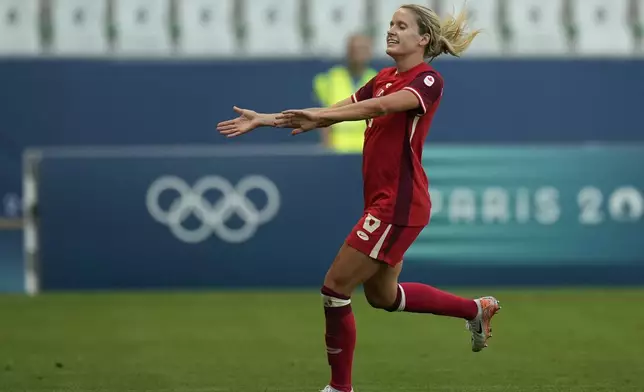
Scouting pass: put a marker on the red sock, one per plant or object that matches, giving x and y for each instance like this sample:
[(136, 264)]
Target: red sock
[(340, 338), (421, 298)]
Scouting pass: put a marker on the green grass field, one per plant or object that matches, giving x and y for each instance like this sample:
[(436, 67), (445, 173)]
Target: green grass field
[(559, 340)]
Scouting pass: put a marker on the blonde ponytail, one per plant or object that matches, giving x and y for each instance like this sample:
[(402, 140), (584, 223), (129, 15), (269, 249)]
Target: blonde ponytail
[(453, 37), (448, 36)]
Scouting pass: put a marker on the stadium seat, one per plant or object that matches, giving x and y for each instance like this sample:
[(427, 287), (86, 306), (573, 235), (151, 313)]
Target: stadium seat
[(332, 22), (79, 27), (482, 14), (272, 28), (602, 27), (142, 27), (206, 27), (536, 27), (19, 27), (383, 10)]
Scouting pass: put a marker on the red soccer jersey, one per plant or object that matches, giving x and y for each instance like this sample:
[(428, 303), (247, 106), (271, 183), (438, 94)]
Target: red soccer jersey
[(396, 188)]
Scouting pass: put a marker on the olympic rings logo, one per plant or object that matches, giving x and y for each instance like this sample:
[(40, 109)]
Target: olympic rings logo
[(213, 216)]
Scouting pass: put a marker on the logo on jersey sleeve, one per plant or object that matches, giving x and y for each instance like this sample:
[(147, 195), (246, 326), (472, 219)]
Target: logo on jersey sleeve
[(429, 81)]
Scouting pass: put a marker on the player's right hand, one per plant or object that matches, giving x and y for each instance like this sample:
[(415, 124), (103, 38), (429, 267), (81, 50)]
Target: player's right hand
[(301, 120), (246, 122)]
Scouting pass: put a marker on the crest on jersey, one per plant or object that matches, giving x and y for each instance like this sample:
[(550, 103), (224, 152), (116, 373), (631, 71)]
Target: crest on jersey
[(382, 90), (429, 81)]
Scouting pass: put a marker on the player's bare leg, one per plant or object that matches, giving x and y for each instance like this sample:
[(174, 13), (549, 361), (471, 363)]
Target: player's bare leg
[(383, 292), (349, 269)]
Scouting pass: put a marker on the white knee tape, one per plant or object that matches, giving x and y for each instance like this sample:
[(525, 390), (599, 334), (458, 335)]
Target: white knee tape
[(332, 302), (403, 299)]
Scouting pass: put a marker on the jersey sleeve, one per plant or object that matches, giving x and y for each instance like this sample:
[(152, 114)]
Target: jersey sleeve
[(365, 92), (428, 88)]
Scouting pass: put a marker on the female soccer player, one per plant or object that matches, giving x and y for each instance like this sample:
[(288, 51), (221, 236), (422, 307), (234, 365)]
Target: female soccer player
[(398, 105)]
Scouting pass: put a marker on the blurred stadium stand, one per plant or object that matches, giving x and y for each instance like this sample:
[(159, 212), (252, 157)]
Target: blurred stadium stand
[(108, 73), (270, 28)]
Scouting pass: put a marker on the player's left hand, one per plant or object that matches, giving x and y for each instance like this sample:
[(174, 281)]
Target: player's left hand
[(301, 120), (246, 122)]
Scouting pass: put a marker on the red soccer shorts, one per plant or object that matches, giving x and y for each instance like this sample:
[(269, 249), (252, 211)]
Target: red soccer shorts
[(382, 241)]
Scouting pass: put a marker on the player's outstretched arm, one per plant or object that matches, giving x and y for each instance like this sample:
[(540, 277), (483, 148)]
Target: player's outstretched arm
[(249, 120), (400, 101)]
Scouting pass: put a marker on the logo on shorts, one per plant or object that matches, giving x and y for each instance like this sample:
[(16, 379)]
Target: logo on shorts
[(371, 224), (233, 200), (362, 235)]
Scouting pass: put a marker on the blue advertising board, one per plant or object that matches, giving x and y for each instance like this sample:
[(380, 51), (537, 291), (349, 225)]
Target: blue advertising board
[(234, 217), (12, 271), (90, 102), (522, 205), (263, 218), (66, 102)]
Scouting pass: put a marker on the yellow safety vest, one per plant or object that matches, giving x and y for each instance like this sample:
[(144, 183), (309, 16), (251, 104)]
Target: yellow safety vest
[(334, 86)]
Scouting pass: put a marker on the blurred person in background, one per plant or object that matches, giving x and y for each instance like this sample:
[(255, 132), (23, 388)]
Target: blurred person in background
[(398, 105), (339, 82)]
